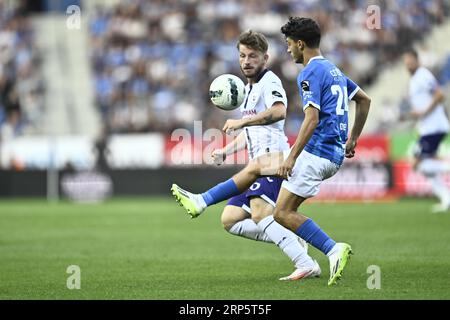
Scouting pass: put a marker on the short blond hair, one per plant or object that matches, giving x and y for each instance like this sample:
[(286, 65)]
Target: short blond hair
[(254, 40)]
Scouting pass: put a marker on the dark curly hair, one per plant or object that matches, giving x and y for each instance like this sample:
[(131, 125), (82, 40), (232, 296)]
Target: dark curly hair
[(304, 29)]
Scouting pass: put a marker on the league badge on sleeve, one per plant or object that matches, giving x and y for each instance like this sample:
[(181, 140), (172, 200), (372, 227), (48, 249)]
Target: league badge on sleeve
[(276, 94), (305, 85)]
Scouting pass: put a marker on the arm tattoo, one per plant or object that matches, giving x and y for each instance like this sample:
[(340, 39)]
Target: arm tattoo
[(269, 119)]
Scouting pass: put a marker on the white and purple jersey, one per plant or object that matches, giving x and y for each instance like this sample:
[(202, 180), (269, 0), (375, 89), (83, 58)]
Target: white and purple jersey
[(259, 97), (421, 90)]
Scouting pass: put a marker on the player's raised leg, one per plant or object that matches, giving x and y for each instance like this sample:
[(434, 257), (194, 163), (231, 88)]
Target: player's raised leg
[(286, 214), (195, 204)]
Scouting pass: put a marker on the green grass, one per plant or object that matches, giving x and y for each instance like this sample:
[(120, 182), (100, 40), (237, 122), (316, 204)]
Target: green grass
[(149, 249)]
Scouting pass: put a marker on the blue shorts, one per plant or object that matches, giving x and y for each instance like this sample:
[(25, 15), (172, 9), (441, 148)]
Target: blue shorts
[(428, 145), (266, 188)]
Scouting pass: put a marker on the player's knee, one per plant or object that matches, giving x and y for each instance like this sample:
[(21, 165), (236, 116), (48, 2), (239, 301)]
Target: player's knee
[(227, 222), (227, 226), (253, 169)]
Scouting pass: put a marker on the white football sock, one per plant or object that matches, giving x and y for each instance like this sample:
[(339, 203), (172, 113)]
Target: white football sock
[(439, 189), (200, 201), (287, 241), (433, 166), (248, 229)]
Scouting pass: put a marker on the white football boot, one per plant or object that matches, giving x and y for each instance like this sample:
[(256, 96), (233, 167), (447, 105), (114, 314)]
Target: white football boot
[(303, 273)]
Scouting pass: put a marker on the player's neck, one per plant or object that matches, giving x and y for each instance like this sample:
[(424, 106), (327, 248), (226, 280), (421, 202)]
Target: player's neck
[(413, 72), (258, 77), (309, 54)]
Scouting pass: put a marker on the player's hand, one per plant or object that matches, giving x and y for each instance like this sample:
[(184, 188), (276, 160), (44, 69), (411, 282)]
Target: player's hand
[(350, 148), (285, 170), (232, 125), (218, 156)]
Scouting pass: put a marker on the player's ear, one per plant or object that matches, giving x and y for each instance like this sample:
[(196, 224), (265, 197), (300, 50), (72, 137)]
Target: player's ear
[(266, 57), (301, 44)]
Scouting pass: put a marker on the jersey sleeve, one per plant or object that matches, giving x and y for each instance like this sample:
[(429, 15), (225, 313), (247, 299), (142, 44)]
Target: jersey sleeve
[(430, 82), (352, 88), (309, 85), (274, 92)]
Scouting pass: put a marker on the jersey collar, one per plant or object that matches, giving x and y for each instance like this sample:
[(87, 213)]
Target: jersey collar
[(315, 58), (261, 75)]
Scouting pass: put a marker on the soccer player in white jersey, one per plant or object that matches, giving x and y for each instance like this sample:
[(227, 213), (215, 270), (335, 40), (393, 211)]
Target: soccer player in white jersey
[(263, 113), (426, 99), (324, 130)]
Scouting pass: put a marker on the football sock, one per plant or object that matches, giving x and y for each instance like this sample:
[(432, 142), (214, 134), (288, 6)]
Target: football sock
[(220, 192), (287, 241), (433, 166), (439, 189), (248, 229), (313, 234)]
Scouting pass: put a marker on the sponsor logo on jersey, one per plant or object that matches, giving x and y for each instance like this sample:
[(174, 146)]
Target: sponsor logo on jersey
[(247, 113)]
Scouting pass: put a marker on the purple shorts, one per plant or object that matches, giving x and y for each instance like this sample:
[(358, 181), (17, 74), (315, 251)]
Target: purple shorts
[(428, 145), (266, 188)]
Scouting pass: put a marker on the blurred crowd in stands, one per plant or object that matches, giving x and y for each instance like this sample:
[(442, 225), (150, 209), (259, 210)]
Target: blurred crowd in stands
[(154, 60), (21, 84)]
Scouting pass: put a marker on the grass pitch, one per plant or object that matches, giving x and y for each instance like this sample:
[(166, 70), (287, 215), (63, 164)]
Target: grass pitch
[(150, 249)]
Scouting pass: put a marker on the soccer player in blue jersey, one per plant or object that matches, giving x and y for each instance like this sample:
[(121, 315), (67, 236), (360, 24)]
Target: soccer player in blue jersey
[(317, 153), (322, 143)]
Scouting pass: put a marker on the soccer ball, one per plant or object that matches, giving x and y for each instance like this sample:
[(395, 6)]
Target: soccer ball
[(227, 92)]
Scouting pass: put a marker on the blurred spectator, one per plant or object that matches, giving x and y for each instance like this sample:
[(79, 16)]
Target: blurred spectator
[(21, 85), (444, 74), (154, 60)]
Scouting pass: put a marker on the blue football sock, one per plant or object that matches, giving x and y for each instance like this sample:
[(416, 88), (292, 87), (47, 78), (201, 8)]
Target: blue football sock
[(220, 192), (311, 233)]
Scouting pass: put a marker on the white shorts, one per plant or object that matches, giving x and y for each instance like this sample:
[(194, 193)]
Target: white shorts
[(308, 173)]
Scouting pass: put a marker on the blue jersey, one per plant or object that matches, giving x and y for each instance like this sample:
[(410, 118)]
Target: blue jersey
[(323, 86)]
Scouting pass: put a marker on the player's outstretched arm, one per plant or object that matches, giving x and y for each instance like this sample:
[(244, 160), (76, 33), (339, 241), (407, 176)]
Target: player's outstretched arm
[(238, 144), (362, 110), (274, 114)]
